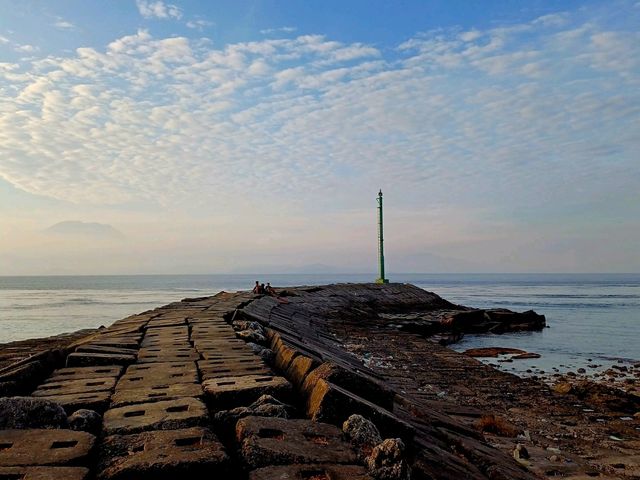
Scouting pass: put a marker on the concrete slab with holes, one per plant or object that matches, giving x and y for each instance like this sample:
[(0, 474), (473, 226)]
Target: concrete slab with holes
[(98, 401), (230, 392), (78, 373), (86, 359), (74, 386), (277, 441), (162, 415), (193, 453), (234, 370), (44, 447), (156, 393)]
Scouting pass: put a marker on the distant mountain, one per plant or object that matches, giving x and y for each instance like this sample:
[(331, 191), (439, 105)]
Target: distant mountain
[(85, 229)]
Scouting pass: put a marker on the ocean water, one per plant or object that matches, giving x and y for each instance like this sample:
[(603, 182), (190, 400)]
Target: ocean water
[(593, 319)]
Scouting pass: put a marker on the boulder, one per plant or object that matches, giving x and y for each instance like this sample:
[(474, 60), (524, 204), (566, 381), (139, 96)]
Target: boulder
[(387, 462), (251, 336), (363, 434), (85, 420), (29, 412)]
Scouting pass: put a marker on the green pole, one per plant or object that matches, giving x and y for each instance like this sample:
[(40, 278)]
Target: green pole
[(381, 279)]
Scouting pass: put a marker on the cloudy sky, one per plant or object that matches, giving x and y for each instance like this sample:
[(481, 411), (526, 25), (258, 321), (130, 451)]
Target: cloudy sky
[(231, 136)]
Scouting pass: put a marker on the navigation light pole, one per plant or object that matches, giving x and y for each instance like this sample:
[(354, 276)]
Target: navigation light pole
[(380, 242)]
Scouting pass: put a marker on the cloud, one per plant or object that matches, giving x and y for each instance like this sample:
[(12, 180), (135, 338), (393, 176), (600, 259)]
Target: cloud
[(199, 24), (63, 24), (527, 115), (26, 48), (4, 40), (158, 9), (269, 31)]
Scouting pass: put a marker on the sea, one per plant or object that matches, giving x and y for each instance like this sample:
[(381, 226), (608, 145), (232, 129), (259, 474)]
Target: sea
[(593, 319)]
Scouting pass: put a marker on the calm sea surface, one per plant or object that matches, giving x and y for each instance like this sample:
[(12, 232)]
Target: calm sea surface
[(593, 318)]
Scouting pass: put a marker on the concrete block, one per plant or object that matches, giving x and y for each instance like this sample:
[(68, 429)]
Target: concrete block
[(168, 367), (72, 386), (229, 392), (163, 415), (234, 370), (276, 441), (193, 453), (246, 355), (311, 472), (44, 447), (85, 372), (110, 349), (44, 473), (298, 369), (333, 404), (156, 393), (192, 357), (98, 401), (155, 341), (78, 359), (155, 377)]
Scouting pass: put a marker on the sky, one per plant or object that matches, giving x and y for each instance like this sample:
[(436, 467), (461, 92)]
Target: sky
[(253, 136)]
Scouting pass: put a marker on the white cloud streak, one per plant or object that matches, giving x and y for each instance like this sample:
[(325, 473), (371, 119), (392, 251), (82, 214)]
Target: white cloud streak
[(158, 9)]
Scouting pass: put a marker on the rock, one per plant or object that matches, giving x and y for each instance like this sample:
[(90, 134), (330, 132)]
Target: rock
[(496, 425), (271, 411), (257, 349), (363, 434), (386, 461), (267, 355), (28, 412), (490, 352), (240, 325), (251, 336), (524, 356), (562, 388), (582, 370), (85, 420), (520, 452)]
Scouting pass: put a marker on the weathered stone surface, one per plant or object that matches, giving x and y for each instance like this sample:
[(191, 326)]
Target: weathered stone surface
[(277, 441), (78, 373), (311, 472), (151, 378), (84, 420), (193, 453), (109, 349), (168, 356), (355, 382), (44, 473), (155, 393), (332, 404), (98, 401), (362, 433), (231, 356), (77, 359), (234, 370), (240, 391), (27, 412), (387, 462), (67, 387), (163, 415), (298, 369), (44, 447)]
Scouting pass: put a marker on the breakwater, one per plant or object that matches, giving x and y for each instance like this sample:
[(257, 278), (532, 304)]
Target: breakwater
[(257, 386)]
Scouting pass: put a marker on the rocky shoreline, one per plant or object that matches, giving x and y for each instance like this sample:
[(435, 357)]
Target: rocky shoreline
[(367, 359)]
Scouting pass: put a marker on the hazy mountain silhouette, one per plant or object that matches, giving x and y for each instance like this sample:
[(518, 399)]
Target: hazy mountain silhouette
[(85, 229)]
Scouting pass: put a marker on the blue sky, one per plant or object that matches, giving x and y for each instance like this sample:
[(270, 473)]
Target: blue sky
[(238, 136)]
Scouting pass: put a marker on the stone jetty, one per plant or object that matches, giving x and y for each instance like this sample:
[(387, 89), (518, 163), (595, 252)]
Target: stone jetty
[(331, 382)]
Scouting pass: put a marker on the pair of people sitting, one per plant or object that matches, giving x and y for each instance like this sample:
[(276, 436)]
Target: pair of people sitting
[(261, 289)]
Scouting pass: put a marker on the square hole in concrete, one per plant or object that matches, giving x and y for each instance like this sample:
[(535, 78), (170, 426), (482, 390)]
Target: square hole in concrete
[(135, 413), (178, 408)]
